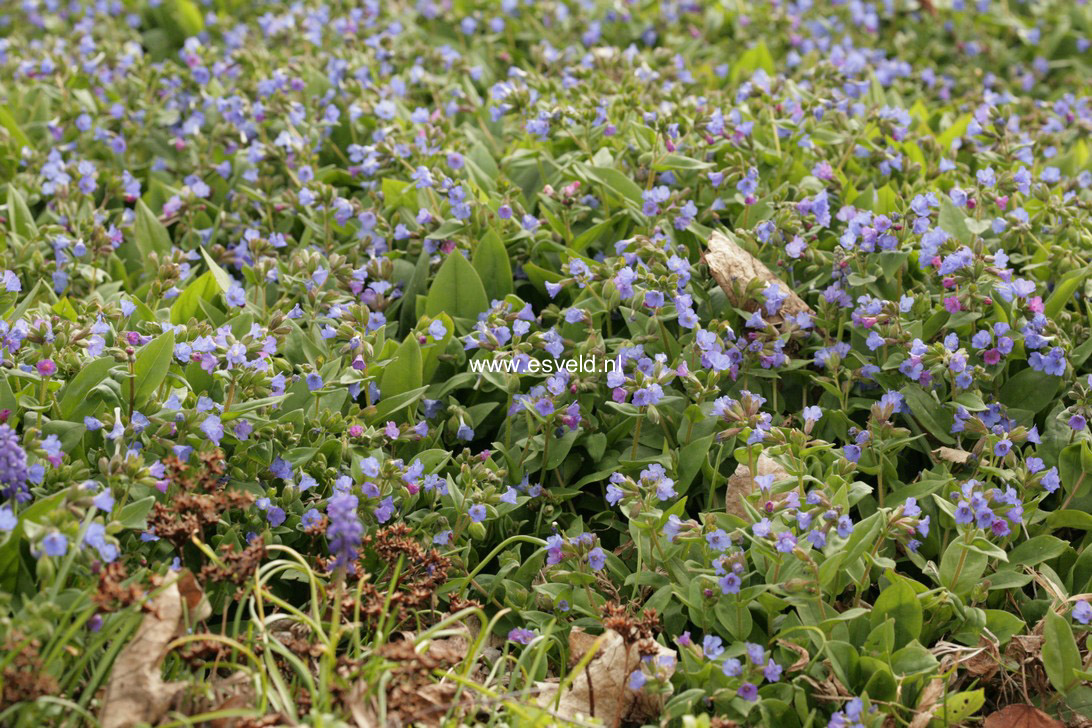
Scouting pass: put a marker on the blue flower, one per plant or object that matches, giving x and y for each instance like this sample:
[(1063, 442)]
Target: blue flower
[(213, 429), (55, 544), (236, 295), (384, 510), (437, 330), (345, 530)]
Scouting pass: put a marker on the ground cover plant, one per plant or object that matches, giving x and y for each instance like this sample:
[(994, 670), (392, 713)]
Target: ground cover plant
[(545, 362)]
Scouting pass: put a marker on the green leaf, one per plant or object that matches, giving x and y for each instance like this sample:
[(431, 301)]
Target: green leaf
[(431, 352), (186, 16), (961, 567), (899, 603), (936, 420), (1064, 291), (953, 132), (150, 234), (19, 218), (1037, 550), (188, 303), (734, 617), (691, 458), (887, 200), (387, 406), (397, 193), (1060, 654), (1029, 390), (223, 278), (403, 373), (953, 221), (491, 263), (9, 543), (73, 401), (134, 515), (151, 366), (8, 122), (592, 235), (913, 660), (958, 707), (619, 184), (678, 161), (456, 290), (1081, 520), (756, 57)]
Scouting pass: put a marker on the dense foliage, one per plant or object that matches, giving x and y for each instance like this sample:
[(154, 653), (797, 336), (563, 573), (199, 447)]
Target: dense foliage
[(287, 297)]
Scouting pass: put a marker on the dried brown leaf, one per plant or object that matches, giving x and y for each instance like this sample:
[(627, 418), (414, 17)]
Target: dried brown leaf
[(1021, 716), (604, 683), (927, 703), (803, 657), (136, 692), (734, 268), (953, 455), (985, 663)]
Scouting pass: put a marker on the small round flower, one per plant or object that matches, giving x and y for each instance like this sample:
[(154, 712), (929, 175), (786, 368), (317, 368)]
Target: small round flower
[(314, 381), (47, 368), (477, 513), (521, 635), (597, 559), (437, 330), (772, 671), (748, 691), (1082, 612), (55, 544), (236, 296), (1078, 423), (637, 680), (718, 540), (311, 519)]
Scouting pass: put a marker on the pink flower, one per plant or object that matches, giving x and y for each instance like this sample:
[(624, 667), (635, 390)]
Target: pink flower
[(952, 304), (1036, 304)]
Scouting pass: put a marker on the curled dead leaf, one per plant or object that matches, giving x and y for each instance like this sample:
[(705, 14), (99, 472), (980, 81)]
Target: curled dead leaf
[(803, 658), (741, 483), (601, 690), (953, 455), (734, 268), (136, 692), (1021, 716), (985, 663)]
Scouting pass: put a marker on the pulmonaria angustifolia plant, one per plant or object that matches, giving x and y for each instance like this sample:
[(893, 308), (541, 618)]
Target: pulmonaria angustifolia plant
[(665, 363)]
